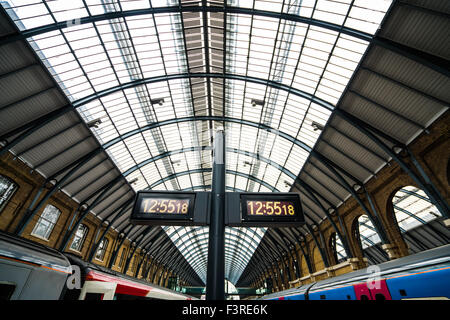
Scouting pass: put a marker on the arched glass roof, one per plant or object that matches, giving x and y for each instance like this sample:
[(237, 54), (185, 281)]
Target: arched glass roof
[(412, 208), (154, 79)]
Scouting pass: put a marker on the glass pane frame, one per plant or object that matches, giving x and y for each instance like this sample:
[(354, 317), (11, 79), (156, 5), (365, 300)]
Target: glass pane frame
[(46, 222)]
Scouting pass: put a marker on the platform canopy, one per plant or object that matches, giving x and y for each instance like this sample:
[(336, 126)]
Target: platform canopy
[(131, 92)]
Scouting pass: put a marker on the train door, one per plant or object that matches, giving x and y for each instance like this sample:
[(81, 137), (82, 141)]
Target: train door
[(98, 290), (362, 292), (372, 291), (12, 281)]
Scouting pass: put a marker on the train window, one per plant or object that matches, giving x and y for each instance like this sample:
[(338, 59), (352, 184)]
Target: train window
[(119, 296), (72, 294), (122, 258), (6, 291), (380, 297), (7, 189), (46, 222), (80, 236), (101, 250), (93, 296)]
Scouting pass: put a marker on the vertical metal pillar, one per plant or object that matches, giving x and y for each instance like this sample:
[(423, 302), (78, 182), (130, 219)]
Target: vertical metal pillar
[(215, 277)]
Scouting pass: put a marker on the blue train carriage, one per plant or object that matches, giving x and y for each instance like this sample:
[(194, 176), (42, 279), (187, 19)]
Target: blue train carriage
[(299, 293), (30, 271), (425, 275)]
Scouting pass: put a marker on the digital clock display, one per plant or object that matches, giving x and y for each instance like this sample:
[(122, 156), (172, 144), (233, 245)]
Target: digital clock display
[(271, 208), (164, 206)]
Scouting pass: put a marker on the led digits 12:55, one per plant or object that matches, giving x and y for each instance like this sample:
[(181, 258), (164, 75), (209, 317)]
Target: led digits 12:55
[(172, 206)]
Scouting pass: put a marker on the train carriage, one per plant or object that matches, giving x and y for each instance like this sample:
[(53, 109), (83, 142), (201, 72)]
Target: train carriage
[(425, 275), (31, 271)]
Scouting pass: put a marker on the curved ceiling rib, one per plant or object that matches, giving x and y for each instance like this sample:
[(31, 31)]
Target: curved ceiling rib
[(207, 118), (191, 149), (104, 93), (27, 33), (183, 173)]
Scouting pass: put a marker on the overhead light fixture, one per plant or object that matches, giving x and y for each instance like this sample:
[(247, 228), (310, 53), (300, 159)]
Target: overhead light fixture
[(317, 126), (256, 102), (134, 181), (177, 162), (247, 163), (159, 101), (94, 123)]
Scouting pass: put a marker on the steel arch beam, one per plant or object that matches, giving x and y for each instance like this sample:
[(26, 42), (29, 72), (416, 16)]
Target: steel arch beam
[(179, 174), (200, 228), (436, 63), (228, 255), (202, 148), (253, 244), (180, 9), (209, 75), (199, 252), (36, 124)]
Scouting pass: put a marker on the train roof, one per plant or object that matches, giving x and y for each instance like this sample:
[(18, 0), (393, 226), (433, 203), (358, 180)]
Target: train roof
[(422, 259), (288, 292), (433, 256), (18, 248)]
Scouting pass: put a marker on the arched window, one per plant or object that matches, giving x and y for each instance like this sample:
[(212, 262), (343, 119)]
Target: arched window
[(368, 235), (418, 220), (100, 255), (368, 239), (7, 189), (46, 222), (122, 258), (80, 236), (337, 249), (412, 208)]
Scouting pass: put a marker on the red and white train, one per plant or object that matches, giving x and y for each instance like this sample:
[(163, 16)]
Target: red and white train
[(30, 271)]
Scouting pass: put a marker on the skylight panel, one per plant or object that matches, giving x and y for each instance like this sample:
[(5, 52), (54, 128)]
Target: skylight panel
[(134, 4), (151, 171), (120, 153)]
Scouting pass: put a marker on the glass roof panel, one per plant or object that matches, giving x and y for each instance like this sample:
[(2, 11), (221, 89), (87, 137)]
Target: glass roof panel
[(413, 208), (102, 60)]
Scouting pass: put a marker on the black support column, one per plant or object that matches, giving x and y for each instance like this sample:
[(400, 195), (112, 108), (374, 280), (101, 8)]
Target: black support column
[(215, 278)]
